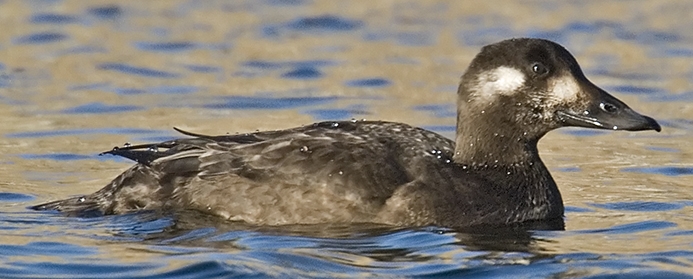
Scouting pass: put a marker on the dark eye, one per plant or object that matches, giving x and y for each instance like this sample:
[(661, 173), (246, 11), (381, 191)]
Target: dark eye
[(608, 107), (539, 69)]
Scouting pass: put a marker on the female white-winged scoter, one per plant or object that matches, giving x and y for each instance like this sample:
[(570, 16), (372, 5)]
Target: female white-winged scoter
[(513, 93)]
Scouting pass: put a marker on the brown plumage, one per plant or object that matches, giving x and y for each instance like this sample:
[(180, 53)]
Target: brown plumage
[(513, 93)]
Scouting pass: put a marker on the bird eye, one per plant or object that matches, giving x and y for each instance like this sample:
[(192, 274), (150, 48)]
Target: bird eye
[(539, 69), (608, 107)]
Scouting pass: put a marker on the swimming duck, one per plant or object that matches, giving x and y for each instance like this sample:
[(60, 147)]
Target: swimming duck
[(511, 95)]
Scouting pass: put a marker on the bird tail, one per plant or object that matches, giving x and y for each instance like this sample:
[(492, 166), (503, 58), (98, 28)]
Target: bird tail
[(82, 206)]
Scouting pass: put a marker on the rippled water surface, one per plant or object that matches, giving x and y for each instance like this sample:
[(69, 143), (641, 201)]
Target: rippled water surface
[(79, 77)]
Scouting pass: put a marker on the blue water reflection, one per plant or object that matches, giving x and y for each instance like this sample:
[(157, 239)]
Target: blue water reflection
[(139, 71), (670, 171), (41, 38), (52, 19), (250, 102), (325, 24), (368, 82), (166, 46), (97, 107), (66, 132), (109, 12)]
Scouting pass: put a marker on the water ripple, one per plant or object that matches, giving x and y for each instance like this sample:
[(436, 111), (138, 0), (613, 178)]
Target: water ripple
[(248, 102), (56, 156), (332, 114), (287, 2), (139, 71), (580, 132), (576, 209), (303, 73), (164, 89), (98, 108), (108, 12), (94, 269), (368, 82), (635, 90), (633, 228), (70, 132), (440, 128), (165, 46), (668, 171), (52, 19), (647, 206), (438, 110), (14, 197), (41, 38), (325, 23), (203, 68)]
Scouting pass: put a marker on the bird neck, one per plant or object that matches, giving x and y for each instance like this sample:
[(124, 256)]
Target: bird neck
[(485, 139)]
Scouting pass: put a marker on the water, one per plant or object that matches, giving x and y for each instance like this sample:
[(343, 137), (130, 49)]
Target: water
[(79, 77)]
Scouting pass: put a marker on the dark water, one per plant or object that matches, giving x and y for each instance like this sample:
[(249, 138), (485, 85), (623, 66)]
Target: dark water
[(79, 77)]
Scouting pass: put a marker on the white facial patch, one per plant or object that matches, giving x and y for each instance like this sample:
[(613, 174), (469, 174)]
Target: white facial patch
[(502, 80), (563, 89)]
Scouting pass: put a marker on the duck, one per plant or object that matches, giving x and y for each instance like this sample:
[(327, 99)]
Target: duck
[(512, 93)]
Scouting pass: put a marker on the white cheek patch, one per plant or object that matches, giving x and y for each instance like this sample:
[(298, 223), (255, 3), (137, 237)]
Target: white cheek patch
[(502, 80), (507, 80), (564, 89)]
